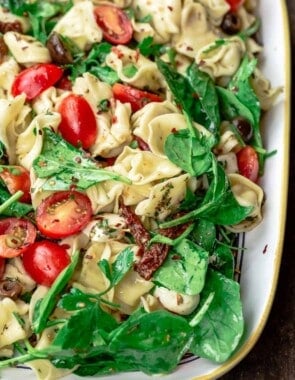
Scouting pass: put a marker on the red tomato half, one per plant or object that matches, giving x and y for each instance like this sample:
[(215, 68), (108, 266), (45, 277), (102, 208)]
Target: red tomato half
[(235, 4), (137, 98), (36, 79), (17, 178), (248, 163), (115, 24), (2, 267), (63, 214), (44, 260), (15, 236), (78, 122)]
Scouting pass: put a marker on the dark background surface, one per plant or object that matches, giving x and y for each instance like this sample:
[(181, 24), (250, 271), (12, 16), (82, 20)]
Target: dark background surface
[(273, 356)]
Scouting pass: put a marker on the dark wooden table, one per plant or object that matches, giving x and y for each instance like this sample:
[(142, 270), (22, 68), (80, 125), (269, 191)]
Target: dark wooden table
[(273, 357)]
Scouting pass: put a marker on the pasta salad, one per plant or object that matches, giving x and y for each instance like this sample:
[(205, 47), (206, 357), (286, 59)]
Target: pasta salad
[(130, 158)]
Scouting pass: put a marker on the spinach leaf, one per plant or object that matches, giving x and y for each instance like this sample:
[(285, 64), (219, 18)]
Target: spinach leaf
[(152, 342), (183, 93), (94, 320), (184, 270), (220, 329), (204, 87), (65, 166), (187, 152), (17, 209), (231, 106), (45, 306), (204, 234), (223, 260)]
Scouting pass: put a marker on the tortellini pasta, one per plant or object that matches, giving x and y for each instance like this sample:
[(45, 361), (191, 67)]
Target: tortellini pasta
[(26, 50), (8, 70), (164, 17), (135, 69), (222, 60), (80, 26), (11, 330), (195, 30), (216, 9), (247, 194)]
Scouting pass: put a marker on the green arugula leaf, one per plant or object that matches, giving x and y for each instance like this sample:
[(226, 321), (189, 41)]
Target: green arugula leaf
[(45, 306), (219, 204), (204, 87), (220, 329), (119, 267), (184, 270), (65, 166), (147, 47), (93, 63), (74, 300)]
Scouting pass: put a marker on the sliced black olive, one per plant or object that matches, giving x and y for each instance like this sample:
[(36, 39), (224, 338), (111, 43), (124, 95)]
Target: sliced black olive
[(231, 23), (57, 49), (244, 128), (10, 288)]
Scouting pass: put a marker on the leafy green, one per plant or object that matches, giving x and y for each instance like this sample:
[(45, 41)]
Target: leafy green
[(117, 270), (17, 209), (204, 234), (93, 63), (45, 306), (223, 260), (65, 166), (218, 332), (42, 14), (184, 270), (219, 204), (148, 48), (185, 96), (188, 152), (204, 87), (153, 342)]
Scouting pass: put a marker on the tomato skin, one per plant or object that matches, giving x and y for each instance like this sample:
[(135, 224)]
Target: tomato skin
[(248, 163), (78, 122), (2, 267), (115, 24), (235, 4), (137, 98), (44, 260), (34, 80), (17, 178), (20, 233), (63, 214)]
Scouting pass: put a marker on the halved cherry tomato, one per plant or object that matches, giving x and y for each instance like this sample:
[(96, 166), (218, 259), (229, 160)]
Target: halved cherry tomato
[(115, 24), (248, 163), (44, 260), (2, 267), (235, 4), (17, 178), (36, 79), (15, 236), (137, 98), (63, 214), (78, 122)]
